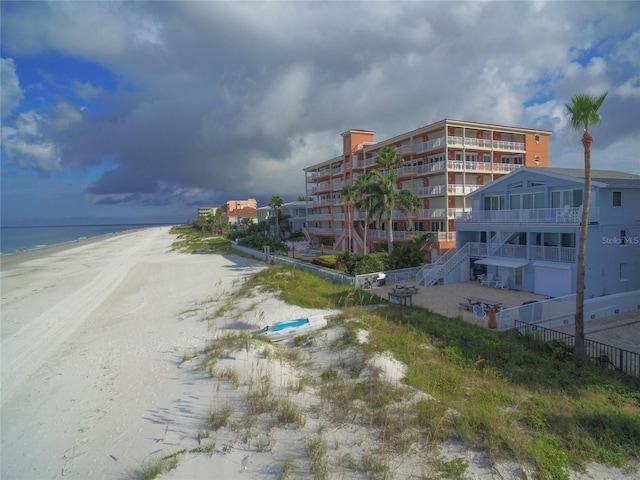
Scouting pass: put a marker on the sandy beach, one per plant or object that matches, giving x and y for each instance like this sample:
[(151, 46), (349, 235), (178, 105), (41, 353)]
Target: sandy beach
[(92, 342), (102, 373)]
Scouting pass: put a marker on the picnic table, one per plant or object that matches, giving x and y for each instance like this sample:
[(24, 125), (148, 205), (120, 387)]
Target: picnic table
[(401, 299), (404, 289), (488, 304)]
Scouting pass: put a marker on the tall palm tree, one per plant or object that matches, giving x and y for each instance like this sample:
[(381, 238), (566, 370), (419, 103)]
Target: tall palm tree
[(276, 203), (349, 194), (383, 194), (364, 202), (583, 113)]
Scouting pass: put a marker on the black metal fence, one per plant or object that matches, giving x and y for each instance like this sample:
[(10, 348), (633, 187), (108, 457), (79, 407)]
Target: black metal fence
[(605, 355)]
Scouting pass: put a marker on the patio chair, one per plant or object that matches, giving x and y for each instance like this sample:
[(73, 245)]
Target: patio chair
[(486, 281), (502, 283), (479, 315)]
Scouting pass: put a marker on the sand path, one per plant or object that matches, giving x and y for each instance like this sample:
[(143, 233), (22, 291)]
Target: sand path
[(92, 343)]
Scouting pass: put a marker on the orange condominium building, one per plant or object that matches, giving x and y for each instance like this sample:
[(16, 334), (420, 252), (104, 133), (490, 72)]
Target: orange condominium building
[(443, 162)]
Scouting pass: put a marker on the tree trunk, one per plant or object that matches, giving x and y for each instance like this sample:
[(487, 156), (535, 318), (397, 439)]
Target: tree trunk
[(390, 233), (579, 351), (350, 227)]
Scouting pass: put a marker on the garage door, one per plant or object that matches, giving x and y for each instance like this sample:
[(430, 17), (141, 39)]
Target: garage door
[(552, 281)]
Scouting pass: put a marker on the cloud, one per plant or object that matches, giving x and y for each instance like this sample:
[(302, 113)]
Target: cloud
[(213, 100), (11, 93)]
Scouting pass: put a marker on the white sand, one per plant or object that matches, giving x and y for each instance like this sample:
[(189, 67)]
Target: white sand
[(95, 382)]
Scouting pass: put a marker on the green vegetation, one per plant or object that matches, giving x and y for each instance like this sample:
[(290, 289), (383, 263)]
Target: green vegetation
[(310, 291), (492, 390), (508, 395), (190, 239)]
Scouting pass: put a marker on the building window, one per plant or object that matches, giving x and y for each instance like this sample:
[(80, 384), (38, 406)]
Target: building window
[(537, 138), (418, 226), (517, 160), (537, 159), (494, 202), (470, 157), (458, 156), (437, 226), (486, 158), (506, 159), (572, 198), (623, 272), (623, 237), (617, 199)]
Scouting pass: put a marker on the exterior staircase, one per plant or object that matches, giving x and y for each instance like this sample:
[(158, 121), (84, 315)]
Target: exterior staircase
[(430, 274), (498, 240)]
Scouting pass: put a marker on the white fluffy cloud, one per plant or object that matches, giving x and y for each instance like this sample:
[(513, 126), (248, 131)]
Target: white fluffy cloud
[(235, 98)]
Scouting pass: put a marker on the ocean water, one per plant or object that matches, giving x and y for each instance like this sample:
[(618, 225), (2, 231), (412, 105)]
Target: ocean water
[(14, 239)]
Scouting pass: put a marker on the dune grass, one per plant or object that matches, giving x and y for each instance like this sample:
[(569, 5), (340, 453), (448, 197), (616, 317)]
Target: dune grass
[(491, 390)]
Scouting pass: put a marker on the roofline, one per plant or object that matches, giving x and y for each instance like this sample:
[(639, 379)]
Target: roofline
[(356, 130), (538, 170), (461, 123)]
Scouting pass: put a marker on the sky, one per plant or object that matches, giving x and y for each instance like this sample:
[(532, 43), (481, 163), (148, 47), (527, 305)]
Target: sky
[(141, 112)]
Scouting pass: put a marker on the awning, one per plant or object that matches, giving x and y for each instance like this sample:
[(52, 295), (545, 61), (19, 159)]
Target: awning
[(503, 262)]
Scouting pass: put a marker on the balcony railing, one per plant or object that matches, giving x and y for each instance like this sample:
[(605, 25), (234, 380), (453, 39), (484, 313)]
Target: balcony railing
[(553, 254), (529, 252), (565, 216), (485, 143)]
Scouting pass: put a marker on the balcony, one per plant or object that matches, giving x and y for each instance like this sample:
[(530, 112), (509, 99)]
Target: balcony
[(484, 143), (451, 189), (484, 167), (535, 216), (529, 252)]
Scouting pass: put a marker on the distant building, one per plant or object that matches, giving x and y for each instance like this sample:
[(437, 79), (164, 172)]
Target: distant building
[(204, 212), (295, 212), (525, 229), (443, 163), (233, 205), (236, 216)]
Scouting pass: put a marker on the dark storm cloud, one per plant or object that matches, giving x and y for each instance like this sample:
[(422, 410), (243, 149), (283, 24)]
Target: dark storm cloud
[(235, 98)]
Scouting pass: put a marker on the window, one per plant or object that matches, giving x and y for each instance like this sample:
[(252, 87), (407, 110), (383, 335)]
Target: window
[(623, 272), (537, 138), (506, 159), (517, 160), (470, 157), (623, 237), (537, 159), (572, 198), (437, 226), (494, 202), (458, 156), (418, 226), (617, 199), (486, 158)]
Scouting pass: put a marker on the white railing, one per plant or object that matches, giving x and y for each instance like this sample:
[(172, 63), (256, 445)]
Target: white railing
[(484, 143), (530, 252), (486, 167), (461, 189), (570, 215), (553, 254)]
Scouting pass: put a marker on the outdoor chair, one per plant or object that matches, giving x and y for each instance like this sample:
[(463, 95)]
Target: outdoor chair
[(479, 315), (486, 281), (502, 283)]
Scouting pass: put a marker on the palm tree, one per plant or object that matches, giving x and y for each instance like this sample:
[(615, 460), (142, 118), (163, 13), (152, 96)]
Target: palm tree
[(349, 194), (583, 113), (364, 201), (383, 195), (275, 203)]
